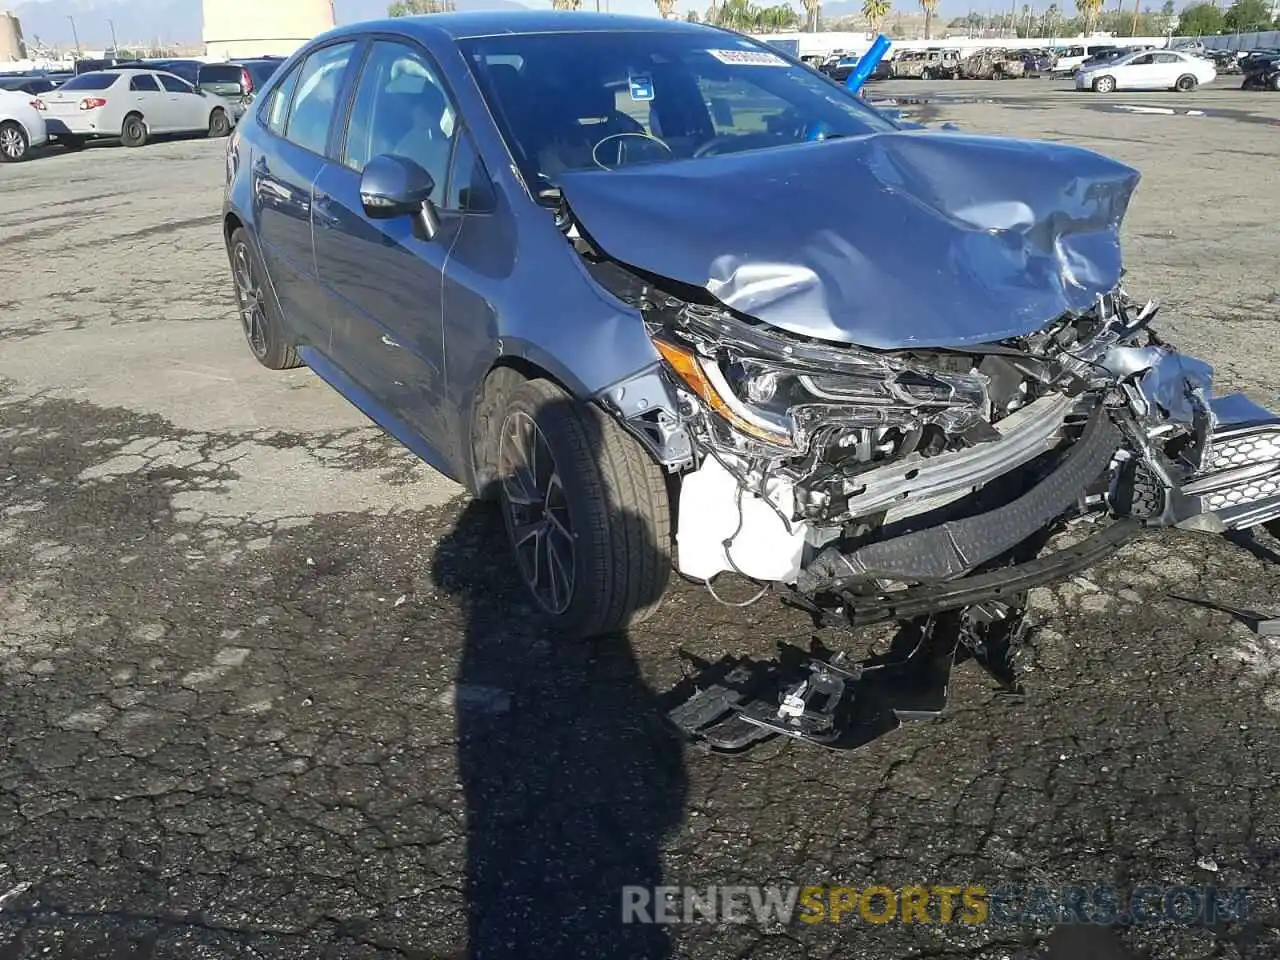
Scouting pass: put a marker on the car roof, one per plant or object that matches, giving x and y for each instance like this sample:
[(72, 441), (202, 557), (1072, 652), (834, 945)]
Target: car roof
[(489, 23)]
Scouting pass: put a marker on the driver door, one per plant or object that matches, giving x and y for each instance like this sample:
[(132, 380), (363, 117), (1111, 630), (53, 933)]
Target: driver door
[(383, 283)]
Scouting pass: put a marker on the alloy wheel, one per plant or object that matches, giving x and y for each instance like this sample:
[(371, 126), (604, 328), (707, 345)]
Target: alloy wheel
[(253, 316), (12, 144), (537, 512)]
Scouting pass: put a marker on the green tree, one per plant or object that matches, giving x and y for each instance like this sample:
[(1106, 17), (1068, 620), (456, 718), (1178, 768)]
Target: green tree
[(409, 8), (692, 17), (875, 11), (1200, 20), (1246, 16), (666, 8), (1089, 13), (812, 13)]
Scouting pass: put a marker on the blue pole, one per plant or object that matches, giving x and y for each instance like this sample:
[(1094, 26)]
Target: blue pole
[(867, 63)]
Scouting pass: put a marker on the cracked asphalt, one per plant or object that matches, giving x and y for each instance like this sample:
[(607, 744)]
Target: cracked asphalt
[(268, 687)]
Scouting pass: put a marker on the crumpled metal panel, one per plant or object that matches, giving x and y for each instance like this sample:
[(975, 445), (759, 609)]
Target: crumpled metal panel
[(893, 240)]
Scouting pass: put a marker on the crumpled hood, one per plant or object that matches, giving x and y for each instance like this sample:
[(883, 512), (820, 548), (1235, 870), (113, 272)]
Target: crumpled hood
[(887, 241)]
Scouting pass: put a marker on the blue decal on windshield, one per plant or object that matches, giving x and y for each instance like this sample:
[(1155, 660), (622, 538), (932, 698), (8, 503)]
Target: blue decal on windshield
[(641, 88)]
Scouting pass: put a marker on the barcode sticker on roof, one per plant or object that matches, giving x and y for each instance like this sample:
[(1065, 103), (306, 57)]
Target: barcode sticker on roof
[(750, 58)]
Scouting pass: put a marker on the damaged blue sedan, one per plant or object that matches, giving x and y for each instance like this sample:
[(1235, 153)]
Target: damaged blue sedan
[(676, 300)]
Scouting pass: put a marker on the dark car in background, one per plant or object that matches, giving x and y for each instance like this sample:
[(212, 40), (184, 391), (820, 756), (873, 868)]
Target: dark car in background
[(25, 83), (1038, 62), (615, 273), (841, 68)]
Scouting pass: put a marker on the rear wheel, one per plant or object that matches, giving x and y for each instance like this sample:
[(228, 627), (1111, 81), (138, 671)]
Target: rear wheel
[(1186, 83), (586, 511), (1274, 82), (134, 131), (15, 145), (1104, 84), (926, 74), (263, 330), (219, 123)]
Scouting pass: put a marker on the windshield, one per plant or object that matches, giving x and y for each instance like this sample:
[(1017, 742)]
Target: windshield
[(91, 81), (596, 100)]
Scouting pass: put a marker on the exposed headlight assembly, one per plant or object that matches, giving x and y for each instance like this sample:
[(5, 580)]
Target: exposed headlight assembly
[(781, 403)]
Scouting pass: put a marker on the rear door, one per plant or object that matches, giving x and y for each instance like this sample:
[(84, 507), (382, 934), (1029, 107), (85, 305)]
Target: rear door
[(1169, 67), (148, 98), (383, 282), (188, 110), (298, 118)]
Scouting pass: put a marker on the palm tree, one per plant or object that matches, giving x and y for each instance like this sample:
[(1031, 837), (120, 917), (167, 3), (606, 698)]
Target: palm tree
[(1049, 24), (566, 4), (740, 15), (874, 11), (812, 9), (929, 7), (777, 18), (408, 8), (1089, 12), (665, 8)]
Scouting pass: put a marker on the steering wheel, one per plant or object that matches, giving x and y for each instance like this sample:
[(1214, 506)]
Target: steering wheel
[(622, 157), (739, 141)]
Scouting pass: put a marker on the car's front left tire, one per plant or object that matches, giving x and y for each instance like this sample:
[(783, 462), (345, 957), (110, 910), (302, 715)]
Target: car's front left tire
[(260, 321), (15, 145), (586, 511)]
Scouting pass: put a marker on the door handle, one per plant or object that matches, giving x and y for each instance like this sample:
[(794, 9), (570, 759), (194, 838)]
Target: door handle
[(388, 341), (322, 211)]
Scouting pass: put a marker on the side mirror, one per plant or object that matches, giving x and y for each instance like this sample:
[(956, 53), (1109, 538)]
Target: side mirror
[(393, 187)]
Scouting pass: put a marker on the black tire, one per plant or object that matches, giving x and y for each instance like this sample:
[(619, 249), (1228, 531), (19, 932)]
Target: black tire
[(15, 145), (73, 144), (1186, 83), (265, 333), (133, 133), (1104, 85), (1274, 82), (614, 497), (219, 123)]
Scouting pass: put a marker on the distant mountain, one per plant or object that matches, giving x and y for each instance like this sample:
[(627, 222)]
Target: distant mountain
[(171, 21)]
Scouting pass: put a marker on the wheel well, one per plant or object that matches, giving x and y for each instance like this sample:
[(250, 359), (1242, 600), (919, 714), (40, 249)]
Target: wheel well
[(506, 373), (230, 224)]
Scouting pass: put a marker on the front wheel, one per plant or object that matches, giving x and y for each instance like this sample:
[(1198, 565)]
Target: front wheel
[(586, 511), (219, 124), (260, 322), (134, 132), (1186, 83), (1104, 85), (14, 142)]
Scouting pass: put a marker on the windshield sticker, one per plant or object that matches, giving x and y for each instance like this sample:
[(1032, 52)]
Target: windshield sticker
[(641, 88), (750, 58)]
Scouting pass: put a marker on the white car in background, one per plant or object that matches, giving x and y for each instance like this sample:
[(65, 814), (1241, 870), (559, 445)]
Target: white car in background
[(22, 128), (131, 105), (1147, 70)]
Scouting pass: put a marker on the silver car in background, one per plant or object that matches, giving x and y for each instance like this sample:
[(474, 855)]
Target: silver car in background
[(131, 105)]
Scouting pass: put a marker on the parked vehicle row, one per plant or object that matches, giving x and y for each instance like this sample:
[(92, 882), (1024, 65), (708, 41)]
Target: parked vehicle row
[(133, 103)]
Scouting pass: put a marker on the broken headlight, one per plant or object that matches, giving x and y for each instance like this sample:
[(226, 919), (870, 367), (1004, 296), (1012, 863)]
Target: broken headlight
[(781, 403)]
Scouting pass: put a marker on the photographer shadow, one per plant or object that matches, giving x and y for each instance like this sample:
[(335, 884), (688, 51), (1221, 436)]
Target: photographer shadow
[(571, 778)]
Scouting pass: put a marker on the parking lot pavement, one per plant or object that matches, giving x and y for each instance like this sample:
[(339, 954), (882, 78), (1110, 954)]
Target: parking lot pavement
[(268, 689)]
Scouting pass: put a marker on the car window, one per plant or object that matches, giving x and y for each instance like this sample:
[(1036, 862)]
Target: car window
[(277, 111), (1142, 61), (314, 102), (1168, 58), (175, 84), (144, 82), (222, 73), (470, 189), (91, 81), (261, 72), (401, 109)]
